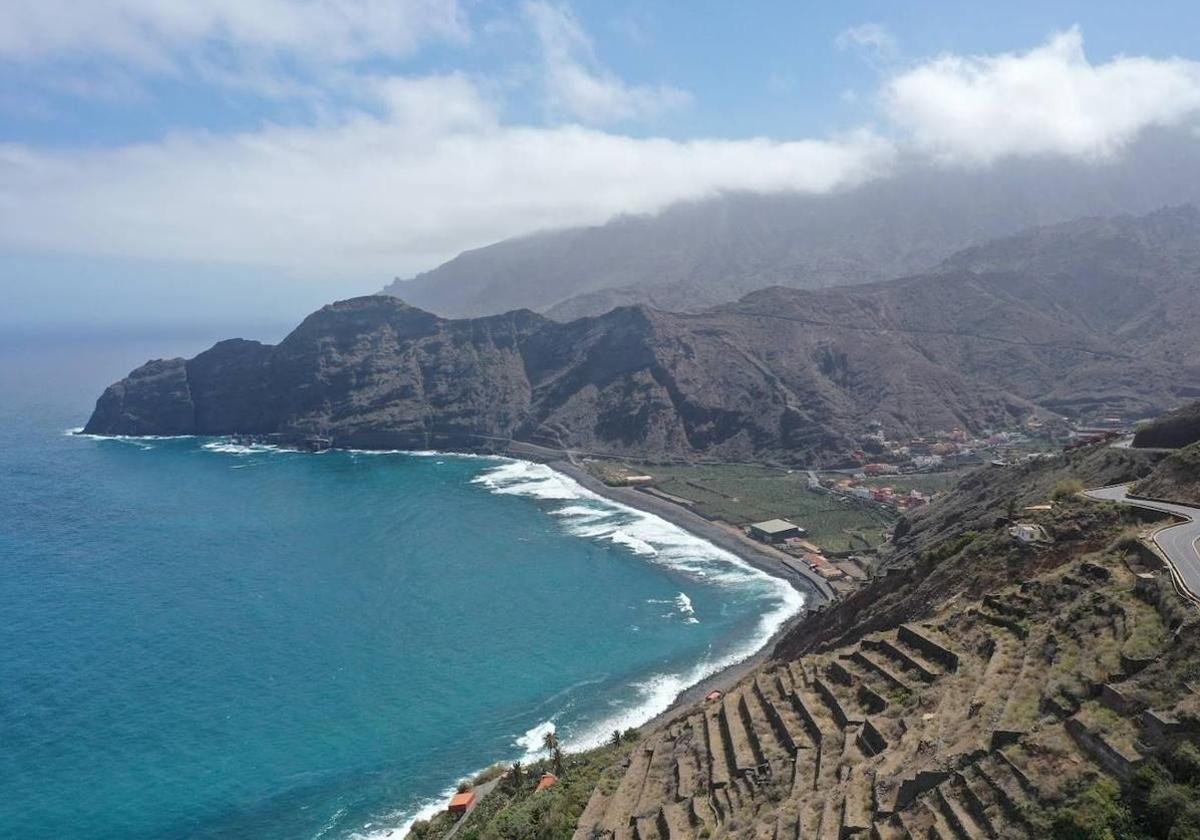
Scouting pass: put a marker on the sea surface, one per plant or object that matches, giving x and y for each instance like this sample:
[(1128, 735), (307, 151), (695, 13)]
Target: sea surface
[(205, 640)]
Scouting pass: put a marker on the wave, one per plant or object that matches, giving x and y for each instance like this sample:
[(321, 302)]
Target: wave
[(592, 516), (78, 432), (227, 446)]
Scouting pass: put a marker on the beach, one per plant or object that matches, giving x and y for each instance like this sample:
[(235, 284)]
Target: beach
[(814, 589)]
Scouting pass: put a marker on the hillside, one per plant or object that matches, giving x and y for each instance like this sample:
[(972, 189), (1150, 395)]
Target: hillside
[(999, 690), (1176, 478), (1177, 428), (703, 253), (784, 374)]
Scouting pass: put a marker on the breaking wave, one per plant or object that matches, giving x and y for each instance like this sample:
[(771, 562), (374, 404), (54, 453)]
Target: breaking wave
[(591, 516)]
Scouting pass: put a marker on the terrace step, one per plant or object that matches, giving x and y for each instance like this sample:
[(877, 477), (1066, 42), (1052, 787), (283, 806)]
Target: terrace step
[(984, 798), (872, 662), (909, 660), (840, 709), (764, 731), (786, 724), (926, 642), (687, 773), (628, 792), (957, 817), (675, 822), (646, 828), (939, 828), (718, 762), (739, 740), (1009, 794), (978, 801)]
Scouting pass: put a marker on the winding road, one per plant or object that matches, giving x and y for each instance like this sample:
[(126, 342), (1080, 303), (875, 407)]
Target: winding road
[(1177, 542)]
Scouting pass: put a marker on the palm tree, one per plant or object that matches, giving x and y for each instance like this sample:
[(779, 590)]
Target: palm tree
[(616, 738), (550, 741)]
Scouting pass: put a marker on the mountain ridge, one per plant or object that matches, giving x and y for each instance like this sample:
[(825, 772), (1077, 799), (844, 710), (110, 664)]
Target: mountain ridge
[(782, 374), (702, 253)]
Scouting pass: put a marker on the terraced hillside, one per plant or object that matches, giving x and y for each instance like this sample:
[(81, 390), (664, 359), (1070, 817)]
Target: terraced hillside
[(968, 724)]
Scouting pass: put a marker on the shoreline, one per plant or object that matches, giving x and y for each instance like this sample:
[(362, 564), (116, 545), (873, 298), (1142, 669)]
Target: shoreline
[(814, 590), (724, 679)]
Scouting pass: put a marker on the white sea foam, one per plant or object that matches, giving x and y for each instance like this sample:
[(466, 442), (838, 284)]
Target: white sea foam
[(592, 516), (78, 432), (684, 603), (228, 447), (533, 741)]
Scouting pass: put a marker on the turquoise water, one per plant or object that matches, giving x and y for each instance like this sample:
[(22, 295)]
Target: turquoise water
[(206, 640)]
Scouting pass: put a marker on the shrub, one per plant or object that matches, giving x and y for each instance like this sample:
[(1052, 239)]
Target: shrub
[(1066, 488), (1096, 814)]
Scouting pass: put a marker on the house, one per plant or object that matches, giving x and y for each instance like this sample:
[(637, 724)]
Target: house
[(1026, 533), (462, 802), (548, 780), (775, 530), (879, 469)]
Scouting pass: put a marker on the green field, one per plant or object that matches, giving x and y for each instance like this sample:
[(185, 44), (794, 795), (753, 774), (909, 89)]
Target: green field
[(742, 494), (928, 483)]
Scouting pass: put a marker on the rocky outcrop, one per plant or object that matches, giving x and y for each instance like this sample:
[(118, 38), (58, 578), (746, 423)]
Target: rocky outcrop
[(783, 374)]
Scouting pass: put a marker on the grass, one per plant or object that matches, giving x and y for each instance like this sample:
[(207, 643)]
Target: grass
[(743, 494)]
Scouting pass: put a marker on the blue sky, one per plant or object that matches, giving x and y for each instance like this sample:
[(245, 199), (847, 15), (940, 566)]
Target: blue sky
[(175, 161)]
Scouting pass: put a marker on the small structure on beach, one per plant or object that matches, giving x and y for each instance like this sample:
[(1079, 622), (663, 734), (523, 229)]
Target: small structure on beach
[(775, 530), (548, 780), (460, 803), (713, 696)]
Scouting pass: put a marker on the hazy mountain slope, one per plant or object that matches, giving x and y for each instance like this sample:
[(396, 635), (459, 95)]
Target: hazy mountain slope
[(702, 253), (1134, 277)]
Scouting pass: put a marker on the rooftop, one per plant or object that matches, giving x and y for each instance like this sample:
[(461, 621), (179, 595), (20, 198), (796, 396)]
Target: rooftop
[(774, 526)]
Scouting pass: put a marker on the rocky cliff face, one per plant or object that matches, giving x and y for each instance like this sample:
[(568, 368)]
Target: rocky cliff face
[(1094, 316)]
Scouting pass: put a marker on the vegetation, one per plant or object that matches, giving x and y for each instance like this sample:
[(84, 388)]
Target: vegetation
[(1066, 488), (513, 811), (1162, 802), (741, 494)]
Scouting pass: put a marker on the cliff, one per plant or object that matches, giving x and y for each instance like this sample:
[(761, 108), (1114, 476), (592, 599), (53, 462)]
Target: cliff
[(1079, 319)]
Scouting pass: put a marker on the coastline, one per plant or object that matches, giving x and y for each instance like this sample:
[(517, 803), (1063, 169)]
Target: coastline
[(716, 534), (815, 596), (815, 590)]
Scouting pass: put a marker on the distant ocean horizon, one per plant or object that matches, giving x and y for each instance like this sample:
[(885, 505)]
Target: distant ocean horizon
[(210, 639)]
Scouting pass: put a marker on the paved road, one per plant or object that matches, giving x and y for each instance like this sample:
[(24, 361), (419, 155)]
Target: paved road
[(1177, 542)]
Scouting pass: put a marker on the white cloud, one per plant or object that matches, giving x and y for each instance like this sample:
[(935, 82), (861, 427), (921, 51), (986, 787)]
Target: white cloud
[(155, 34), (1048, 101), (873, 38), (381, 195), (577, 84)]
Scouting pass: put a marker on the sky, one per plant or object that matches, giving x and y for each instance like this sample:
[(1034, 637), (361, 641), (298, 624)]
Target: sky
[(222, 160)]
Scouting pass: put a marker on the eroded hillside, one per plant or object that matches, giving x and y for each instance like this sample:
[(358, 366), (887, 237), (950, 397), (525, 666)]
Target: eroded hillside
[(981, 708)]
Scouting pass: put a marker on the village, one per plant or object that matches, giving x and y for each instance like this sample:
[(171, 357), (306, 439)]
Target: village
[(832, 522)]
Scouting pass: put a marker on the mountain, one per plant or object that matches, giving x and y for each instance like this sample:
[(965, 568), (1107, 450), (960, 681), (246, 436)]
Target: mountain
[(1175, 429), (699, 254), (782, 374)]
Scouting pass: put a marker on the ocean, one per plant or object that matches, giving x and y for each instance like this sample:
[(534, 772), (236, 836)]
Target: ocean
[(207, 640)]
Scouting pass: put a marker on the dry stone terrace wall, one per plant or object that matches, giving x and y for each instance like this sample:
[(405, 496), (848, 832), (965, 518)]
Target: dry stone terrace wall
[(960, 726)]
